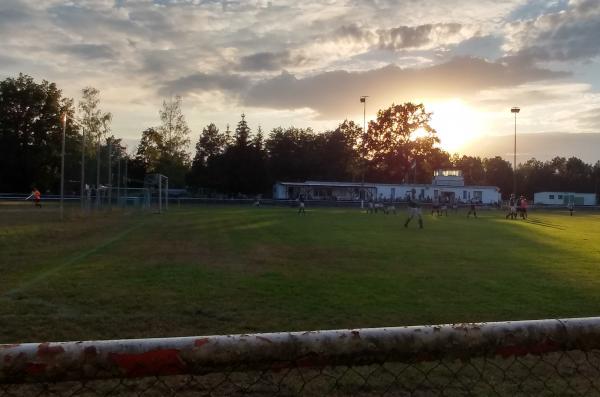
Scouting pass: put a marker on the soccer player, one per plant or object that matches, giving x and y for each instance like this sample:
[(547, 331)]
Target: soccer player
[(472, 209), (512, 207), (570, 207), (301, 209), (524, 207), (435, 206), (37, 197), (414, 209), (444, 206)]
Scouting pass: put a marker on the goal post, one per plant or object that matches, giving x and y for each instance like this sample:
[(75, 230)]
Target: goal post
[(157, 186)]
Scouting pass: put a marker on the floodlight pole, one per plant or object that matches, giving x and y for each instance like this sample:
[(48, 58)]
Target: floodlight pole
[(109, 174), (119, 181), (82, 184), (515, 110), (62, 169), (159, 193), (98, 173), (363, 99)]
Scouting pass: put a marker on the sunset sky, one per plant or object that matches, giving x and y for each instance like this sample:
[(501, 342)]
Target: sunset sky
[(306, 63)]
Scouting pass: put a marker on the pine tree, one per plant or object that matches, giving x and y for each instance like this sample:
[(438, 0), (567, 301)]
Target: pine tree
[(242, 133), (258, 140), (228, 137)]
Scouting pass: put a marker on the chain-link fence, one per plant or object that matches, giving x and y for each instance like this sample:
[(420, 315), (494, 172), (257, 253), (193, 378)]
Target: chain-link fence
[(546, 357)]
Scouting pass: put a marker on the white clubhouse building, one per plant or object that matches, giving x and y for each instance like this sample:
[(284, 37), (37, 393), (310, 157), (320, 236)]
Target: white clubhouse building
[(446, 183)]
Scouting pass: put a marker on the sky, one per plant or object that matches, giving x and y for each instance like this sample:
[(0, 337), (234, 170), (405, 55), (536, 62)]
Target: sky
[(306, 63)]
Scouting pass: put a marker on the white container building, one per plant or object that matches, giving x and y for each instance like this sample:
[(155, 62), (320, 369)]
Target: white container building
[(564, 198)]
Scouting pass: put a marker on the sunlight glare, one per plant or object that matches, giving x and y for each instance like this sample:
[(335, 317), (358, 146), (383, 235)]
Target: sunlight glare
[(455, 122)]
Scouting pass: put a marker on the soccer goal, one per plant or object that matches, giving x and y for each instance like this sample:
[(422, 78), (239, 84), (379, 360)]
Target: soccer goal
[(157, 188)]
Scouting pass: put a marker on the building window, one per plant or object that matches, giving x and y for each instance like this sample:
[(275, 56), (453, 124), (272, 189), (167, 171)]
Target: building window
[(478, 195), (551, 197), (464, 194), (560, 197)]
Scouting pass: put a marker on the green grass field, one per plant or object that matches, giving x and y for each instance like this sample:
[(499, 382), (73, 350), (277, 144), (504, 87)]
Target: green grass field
[(216, 270)]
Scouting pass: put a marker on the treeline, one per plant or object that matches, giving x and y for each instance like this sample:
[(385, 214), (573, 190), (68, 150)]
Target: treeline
[(400, 146)]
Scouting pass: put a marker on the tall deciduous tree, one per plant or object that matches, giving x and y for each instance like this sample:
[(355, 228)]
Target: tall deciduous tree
[(399, 136), (499, 172), (95, 123), (205, 171), (174, 131), (163, 149), (30, 135), (472, 169)]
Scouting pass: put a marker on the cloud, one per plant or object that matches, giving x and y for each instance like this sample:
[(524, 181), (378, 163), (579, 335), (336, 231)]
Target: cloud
[(543, 146), (269, 61), (332, 94), (400, 38), (589, 119), (421, 36), (200, 82), (90, 51), (567, 35)]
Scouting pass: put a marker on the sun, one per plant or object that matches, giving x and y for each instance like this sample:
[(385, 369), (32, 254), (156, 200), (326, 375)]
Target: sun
[(455, 122)]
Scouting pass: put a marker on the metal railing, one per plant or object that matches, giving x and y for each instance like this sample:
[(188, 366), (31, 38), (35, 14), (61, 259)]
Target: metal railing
[(544, 357)]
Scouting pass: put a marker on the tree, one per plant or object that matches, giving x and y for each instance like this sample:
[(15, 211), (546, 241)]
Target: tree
[(174, 132), (242, 133), (578, 175), (258, 139), (150, 149), (472, 169), (95, 123), (399, 136), (31, 135), (163, 149), (335, 153), (210, 145), (290, 154), (499, 172), (244, 163)]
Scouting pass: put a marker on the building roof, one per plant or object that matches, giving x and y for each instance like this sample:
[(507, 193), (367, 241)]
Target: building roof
[(373, 185), (565, 193)]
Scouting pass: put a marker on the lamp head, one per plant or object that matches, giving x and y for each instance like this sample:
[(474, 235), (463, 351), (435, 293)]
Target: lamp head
[(515, 109)]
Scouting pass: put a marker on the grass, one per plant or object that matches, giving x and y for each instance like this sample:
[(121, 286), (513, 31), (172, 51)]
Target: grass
[(216, 270)]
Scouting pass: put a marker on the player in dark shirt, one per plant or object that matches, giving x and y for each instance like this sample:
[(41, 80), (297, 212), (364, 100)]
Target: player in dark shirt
[(414, 209)]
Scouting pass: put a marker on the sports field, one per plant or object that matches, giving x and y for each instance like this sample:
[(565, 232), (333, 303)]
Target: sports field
[(216, 270)]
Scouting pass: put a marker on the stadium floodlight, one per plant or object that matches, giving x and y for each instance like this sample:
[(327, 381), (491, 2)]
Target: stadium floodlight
[(515, 110), (363, 100)]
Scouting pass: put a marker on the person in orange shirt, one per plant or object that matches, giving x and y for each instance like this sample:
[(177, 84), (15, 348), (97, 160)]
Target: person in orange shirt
[(37, 197)]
